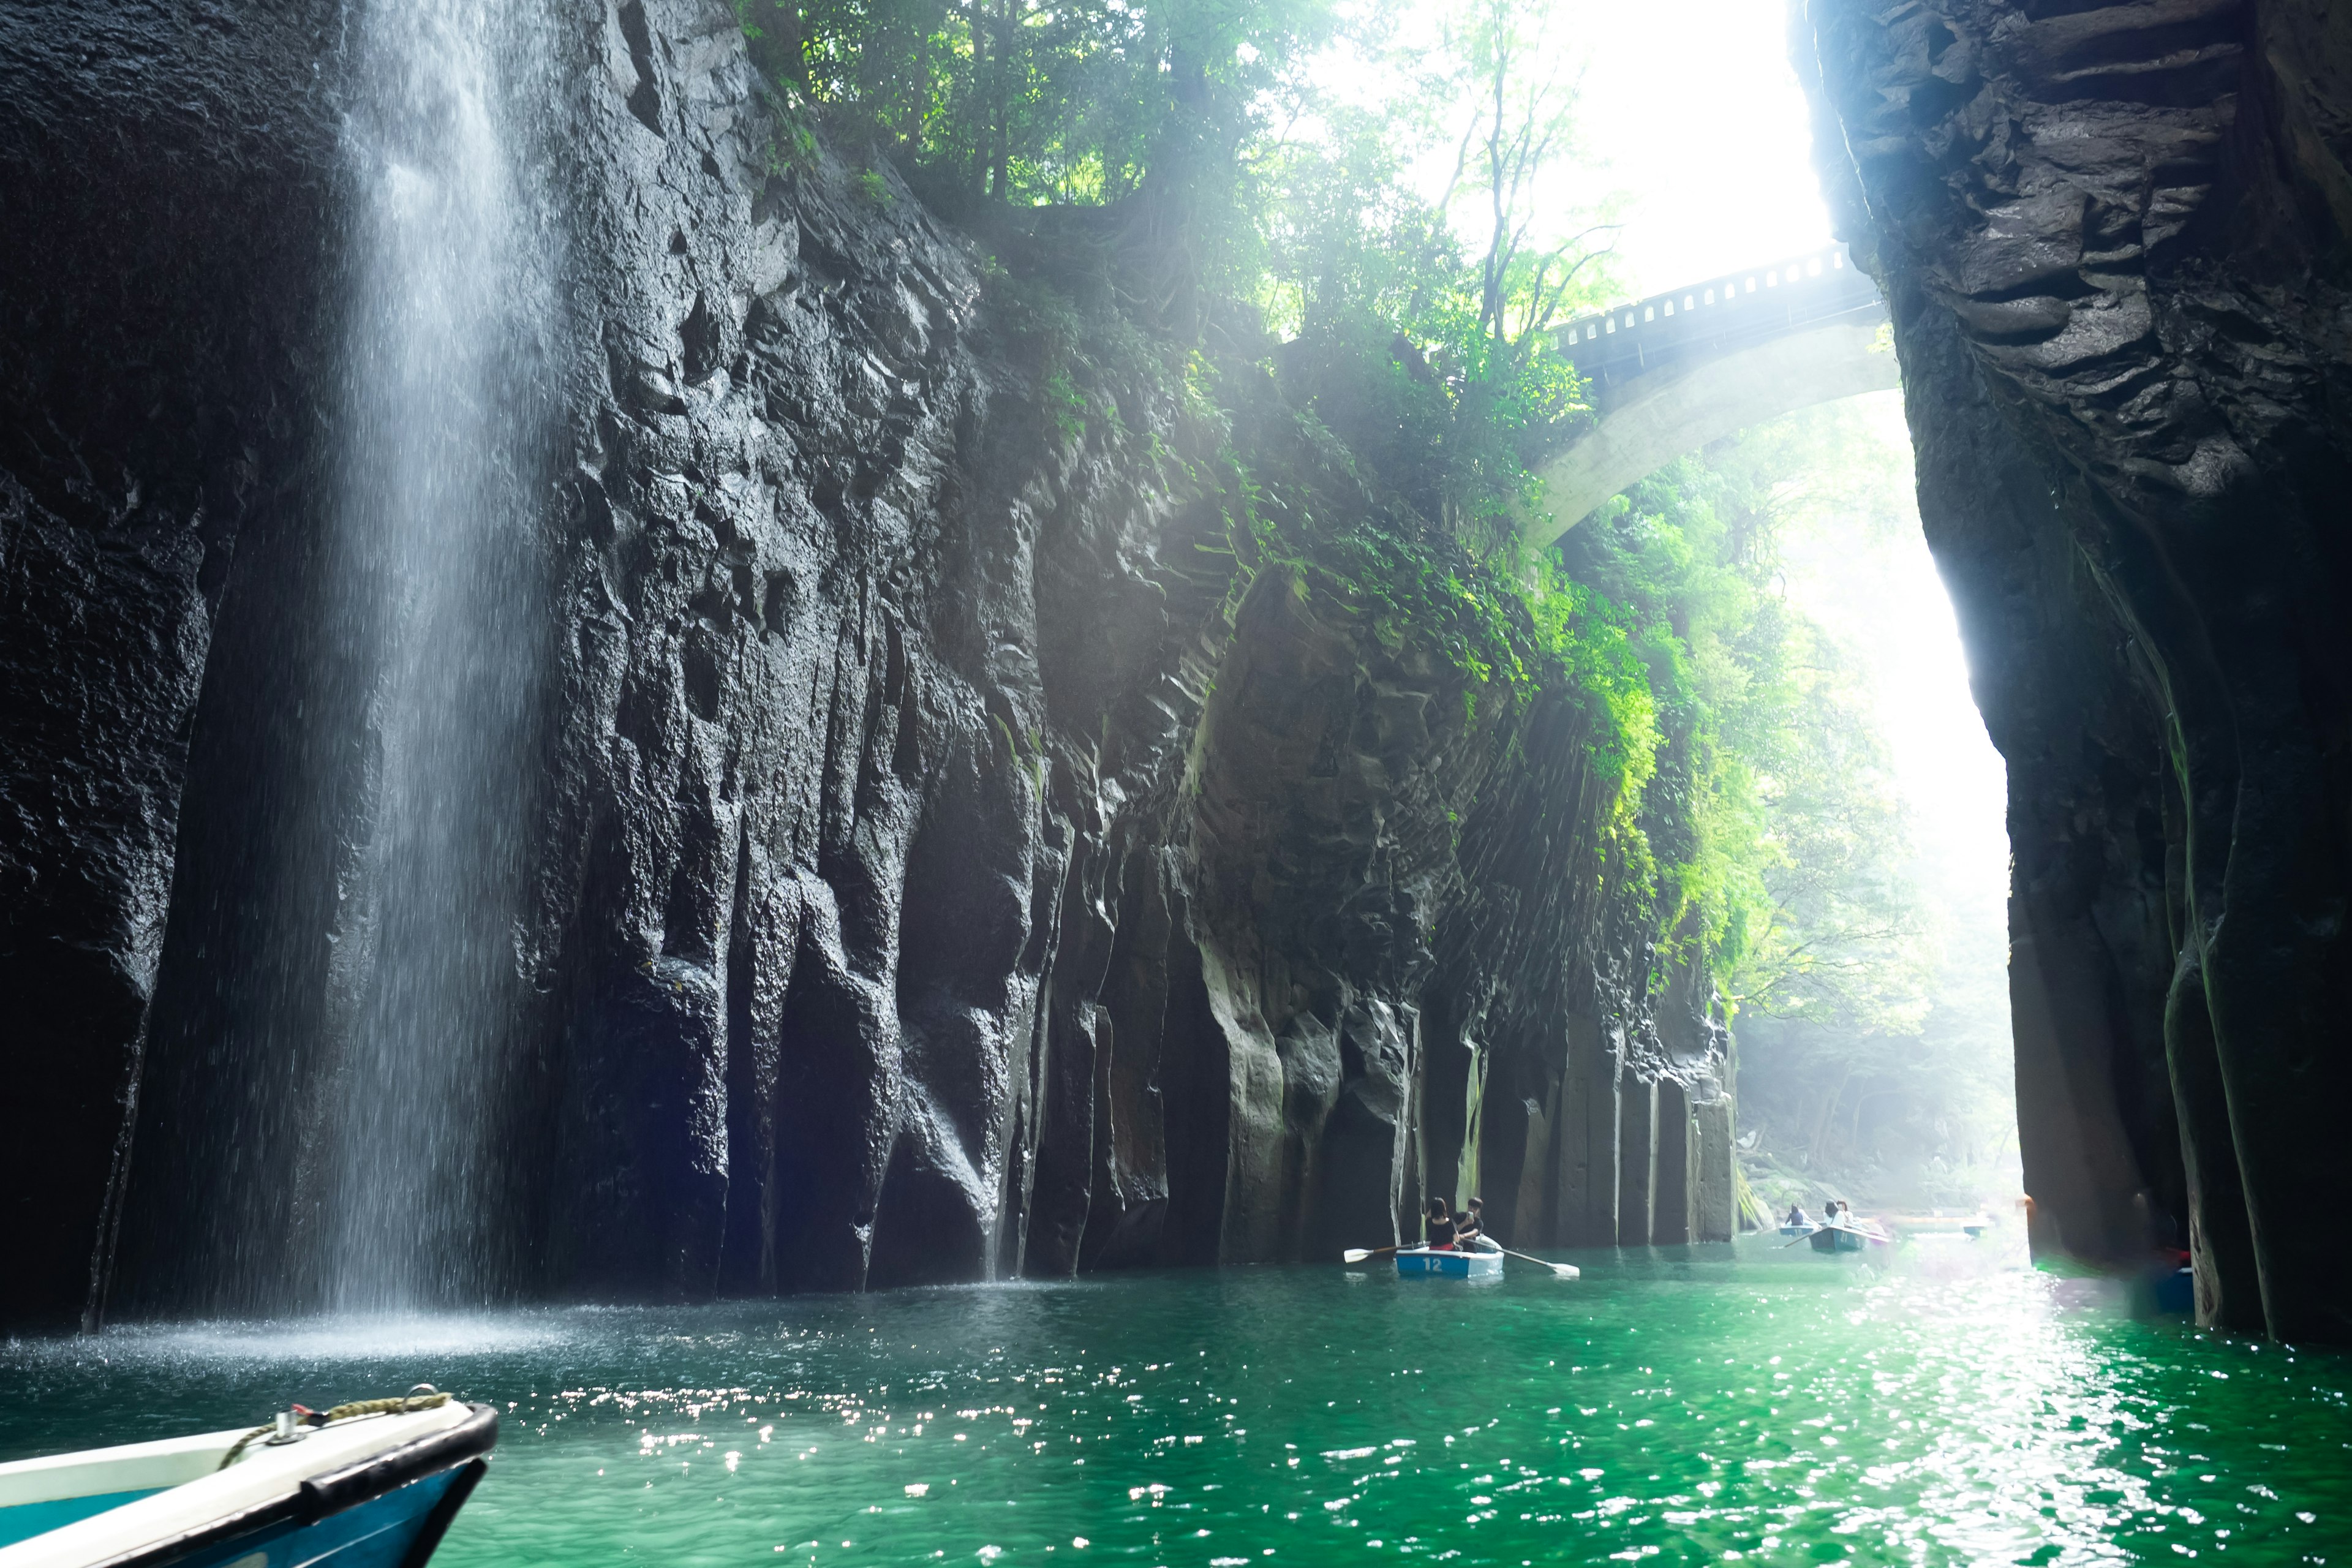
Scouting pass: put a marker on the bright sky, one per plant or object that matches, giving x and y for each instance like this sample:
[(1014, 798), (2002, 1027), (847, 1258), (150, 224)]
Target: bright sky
[(1694, 117), (1697, 119), (1692, 125), (1880, 596)]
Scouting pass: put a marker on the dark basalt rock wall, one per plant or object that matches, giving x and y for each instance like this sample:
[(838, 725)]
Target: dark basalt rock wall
[(950, 858), (2114, 238), (164, 192)]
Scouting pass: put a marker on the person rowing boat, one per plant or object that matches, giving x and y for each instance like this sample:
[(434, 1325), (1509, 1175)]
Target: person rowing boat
[(1449, 1238)]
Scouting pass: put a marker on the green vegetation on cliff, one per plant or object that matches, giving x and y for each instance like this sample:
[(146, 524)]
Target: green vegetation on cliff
[(1333, 212)]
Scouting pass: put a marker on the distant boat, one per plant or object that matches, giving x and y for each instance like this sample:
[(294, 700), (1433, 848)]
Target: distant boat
[(1805, 1229), (2175, 1290), (1449, 1265), (367, 1486), (1847, 1238)]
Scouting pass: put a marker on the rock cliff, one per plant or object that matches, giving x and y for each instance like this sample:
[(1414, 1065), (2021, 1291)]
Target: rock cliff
[(987, 814), (2113, 240)]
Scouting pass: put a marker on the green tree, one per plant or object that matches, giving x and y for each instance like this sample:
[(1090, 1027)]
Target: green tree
[(1380, 238)]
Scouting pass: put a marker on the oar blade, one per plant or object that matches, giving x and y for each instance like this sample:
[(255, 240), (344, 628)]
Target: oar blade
[(1355, 1255), (1558, 1270)]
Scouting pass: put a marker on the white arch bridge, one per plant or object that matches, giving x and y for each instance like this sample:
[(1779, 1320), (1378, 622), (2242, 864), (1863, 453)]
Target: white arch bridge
[(1679, 370)]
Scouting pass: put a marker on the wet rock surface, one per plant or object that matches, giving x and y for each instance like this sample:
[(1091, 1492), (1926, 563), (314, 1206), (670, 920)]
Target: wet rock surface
[(2113, 239), (141, 278), (948, 859)]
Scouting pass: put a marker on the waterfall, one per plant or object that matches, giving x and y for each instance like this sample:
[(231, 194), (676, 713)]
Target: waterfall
[(440, 481)]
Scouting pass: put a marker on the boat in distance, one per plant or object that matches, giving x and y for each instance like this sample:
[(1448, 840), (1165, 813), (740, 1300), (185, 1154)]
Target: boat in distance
[(1449, 1264), (371, 1485), (1847, 1238)]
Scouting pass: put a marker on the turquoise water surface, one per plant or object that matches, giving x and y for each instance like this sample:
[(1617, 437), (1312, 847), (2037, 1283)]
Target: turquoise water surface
[(1687, 1405)]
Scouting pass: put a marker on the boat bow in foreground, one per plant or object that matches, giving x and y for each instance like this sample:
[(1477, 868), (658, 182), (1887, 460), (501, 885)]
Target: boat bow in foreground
[(373, 1489)]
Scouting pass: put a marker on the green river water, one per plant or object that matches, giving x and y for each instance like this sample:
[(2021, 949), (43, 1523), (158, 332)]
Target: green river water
[(1689, 1406)]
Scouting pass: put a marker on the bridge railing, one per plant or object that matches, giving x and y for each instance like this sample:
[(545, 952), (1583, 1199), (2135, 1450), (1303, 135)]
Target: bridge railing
[(1739, 307)]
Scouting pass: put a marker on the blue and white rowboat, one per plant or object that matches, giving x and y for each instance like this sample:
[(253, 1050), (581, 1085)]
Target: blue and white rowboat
[(370, 1490), (1447, 1265)]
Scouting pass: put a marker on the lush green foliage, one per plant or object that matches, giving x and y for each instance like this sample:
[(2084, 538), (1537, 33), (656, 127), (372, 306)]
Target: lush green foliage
[(1244, 216), (1774, 816), (1030, 103), (1870, 973), (1196, 125), (1418, 583)]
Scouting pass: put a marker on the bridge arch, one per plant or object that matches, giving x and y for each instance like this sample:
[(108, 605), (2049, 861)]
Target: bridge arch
[(1672, 373)]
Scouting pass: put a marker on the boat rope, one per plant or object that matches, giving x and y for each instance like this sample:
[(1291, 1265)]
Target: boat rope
[(424, 1396)]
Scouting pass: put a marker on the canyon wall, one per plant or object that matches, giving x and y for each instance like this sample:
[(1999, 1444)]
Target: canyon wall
[(964, 840), (2113, 241)]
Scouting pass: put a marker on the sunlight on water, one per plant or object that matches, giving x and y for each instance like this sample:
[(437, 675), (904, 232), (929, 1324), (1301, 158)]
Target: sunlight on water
[(1677, 1407)]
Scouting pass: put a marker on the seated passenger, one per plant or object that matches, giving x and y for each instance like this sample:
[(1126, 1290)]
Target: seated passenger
[(1796, 1215), (1469, 1227), (1441, 1228)]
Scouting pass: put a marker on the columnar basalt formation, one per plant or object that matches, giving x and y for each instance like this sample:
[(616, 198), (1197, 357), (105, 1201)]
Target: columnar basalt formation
[(951, 860), (2113, 241)]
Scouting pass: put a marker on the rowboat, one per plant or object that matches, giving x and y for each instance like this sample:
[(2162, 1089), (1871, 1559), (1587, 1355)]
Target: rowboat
[(1805, 1229), (2175, 1290), (372, 1485), (1847, 1238), (1449, 1265)]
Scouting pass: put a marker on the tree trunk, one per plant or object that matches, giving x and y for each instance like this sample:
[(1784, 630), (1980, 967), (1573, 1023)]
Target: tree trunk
[(1828, 1111)]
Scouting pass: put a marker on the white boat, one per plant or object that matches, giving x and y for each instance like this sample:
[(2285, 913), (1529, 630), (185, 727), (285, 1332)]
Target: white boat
[(367, 1486), (1849, 1235), (1448, 1264), (1807, 1228)]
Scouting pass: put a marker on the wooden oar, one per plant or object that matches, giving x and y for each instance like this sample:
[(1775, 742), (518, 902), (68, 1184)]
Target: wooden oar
[(1558, 1270)]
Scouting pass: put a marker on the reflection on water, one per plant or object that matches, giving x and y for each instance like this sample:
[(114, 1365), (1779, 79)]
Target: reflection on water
[(1695, 1406)]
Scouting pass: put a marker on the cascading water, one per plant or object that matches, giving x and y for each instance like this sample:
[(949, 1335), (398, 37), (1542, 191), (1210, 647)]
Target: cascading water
[(441, 476)]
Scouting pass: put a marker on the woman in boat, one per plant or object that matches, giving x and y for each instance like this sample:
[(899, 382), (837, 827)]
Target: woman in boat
[(1441, 1228), (1796, 1215)]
